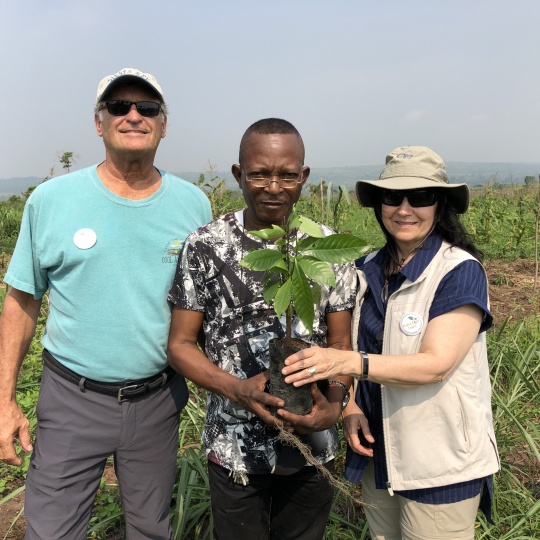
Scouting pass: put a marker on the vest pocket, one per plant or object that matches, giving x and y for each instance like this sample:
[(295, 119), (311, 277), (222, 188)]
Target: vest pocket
[(464, 424)]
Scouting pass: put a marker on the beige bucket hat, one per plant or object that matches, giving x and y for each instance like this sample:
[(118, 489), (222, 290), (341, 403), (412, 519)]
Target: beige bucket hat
[(413, 167)]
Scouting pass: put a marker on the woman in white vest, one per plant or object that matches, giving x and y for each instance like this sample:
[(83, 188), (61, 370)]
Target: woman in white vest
[(419, 431)]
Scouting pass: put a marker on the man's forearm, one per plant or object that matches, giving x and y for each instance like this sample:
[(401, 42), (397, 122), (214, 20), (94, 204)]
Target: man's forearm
[(193, 364), (17, 326)]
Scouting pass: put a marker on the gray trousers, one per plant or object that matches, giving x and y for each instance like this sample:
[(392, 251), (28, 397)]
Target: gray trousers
[(77, 431)]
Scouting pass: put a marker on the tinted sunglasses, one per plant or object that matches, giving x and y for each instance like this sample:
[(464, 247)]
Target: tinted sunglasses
[(417, 198), (120, 107)]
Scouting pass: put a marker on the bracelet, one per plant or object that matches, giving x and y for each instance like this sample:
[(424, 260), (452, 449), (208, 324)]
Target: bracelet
[(346, 396), (339, 383), (365, 365)]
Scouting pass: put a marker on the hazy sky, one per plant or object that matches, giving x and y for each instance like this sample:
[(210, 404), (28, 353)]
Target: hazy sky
[(357, 78)]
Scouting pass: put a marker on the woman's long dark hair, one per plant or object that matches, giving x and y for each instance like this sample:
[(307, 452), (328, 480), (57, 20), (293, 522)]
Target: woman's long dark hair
[(447, 224)]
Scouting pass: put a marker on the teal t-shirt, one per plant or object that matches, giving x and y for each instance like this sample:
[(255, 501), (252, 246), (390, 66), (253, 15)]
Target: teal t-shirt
[(108, 263)]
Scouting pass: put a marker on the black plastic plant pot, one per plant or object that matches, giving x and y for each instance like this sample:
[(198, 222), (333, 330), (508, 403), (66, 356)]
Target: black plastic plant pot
[(298, 400)]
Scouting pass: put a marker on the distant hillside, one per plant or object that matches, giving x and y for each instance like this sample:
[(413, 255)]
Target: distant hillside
[(16, 186), (473, 174)]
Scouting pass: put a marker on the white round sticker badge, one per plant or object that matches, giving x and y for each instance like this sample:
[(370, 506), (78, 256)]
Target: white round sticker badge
[(84, 238), (411, 324)]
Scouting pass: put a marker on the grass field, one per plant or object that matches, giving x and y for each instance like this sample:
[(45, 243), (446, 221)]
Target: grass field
[(504, 227)]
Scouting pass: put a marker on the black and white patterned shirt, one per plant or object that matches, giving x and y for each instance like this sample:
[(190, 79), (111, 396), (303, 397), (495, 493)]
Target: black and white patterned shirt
[(238, 326)]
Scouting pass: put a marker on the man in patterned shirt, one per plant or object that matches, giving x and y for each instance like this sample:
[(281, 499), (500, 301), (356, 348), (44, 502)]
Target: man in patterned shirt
[(259, 487)]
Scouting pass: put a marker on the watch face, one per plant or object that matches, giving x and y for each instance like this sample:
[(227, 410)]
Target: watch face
[(345, 400)]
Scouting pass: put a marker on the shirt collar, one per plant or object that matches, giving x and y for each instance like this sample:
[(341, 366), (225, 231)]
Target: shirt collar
[(414, 268), (422, 257)]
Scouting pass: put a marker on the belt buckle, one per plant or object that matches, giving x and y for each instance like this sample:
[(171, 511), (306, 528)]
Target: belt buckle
[(121, 398)]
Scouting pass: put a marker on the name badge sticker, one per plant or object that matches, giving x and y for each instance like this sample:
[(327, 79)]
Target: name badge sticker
[(85, 238), (411, 324)]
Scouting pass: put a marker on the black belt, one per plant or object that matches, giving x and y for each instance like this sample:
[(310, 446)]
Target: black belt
[(123, 392)]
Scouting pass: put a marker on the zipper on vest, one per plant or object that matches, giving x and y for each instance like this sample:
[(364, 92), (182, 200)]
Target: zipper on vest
[(386, 439)]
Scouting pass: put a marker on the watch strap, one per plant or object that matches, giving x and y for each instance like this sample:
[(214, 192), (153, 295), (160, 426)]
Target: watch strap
[(365, 365), (346, 396)]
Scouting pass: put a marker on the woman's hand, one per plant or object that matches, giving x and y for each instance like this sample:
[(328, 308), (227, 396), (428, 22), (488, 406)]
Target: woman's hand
[(354, 421), (314, 364)]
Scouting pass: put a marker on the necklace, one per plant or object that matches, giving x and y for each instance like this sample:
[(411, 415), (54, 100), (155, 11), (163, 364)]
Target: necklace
[(401, 261), (397, 263)]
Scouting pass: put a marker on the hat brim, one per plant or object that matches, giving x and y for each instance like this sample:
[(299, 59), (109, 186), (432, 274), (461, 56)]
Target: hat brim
[(123, 79), (368, 191)]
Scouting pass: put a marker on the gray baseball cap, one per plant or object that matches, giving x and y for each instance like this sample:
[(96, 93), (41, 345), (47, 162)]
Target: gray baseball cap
[(413, 167), (126, 75)]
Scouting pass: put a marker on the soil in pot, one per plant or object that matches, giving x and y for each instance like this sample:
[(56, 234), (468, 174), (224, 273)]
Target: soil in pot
[(298, 400)]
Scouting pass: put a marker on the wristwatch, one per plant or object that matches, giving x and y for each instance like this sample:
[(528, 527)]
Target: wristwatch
[(346, 397), (365, 365)]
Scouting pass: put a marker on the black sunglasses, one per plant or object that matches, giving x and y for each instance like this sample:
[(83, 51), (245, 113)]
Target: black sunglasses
[(120, 107), (417, 198)]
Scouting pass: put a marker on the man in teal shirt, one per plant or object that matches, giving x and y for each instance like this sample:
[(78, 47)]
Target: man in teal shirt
[(103, 242)]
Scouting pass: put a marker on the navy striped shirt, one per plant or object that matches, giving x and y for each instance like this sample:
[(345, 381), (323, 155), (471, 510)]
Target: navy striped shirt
[(465, 284)]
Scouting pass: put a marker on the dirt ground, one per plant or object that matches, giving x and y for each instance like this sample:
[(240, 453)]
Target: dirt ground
[(10, 530), (511, 289), (512, 295)]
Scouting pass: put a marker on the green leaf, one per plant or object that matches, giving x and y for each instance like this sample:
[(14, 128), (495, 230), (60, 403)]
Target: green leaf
[(309, 227), (345, 193), (303, 298), (270, 278), (279, 268), (271, 291), (294, 221), (283, 298), (261, 259), (316, 292), (268, 234), (305, 243), (338, 248), (317, 270), (328, 199)]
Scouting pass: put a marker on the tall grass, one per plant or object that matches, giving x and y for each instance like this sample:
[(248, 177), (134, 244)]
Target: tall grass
[(503, 220), (503, 226), (191, 515), (10, 219), (515, 370)]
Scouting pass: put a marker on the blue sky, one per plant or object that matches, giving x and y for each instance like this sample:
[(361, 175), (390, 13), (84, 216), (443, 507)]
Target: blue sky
[(357, 78)]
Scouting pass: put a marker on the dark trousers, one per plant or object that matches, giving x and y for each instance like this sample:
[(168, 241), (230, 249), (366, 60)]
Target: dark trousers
[(292, 507)]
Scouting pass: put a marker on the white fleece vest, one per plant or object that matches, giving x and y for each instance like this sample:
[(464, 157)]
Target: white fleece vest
[(441, 433)]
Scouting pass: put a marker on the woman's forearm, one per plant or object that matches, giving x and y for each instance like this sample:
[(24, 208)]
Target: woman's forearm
[(440, 353)]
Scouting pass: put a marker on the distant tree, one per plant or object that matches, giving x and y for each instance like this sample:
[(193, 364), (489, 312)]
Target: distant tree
[(50, 175), (529, 180), (67, 160)]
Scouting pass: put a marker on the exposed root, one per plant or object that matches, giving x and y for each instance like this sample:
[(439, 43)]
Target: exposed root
[(292, 440)]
